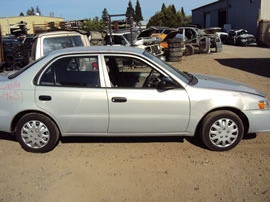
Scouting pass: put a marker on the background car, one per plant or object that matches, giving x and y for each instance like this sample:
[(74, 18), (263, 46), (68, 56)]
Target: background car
[(241, 37), (119, 91)]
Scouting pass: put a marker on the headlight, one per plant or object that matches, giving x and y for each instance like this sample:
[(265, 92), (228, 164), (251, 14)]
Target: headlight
[(264, 104)]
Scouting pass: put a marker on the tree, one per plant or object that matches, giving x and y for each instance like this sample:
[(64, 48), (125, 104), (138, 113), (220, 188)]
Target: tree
[(30, 11), (105, 15), (138, 13), (163, 7), (94, 24), (21, 14), (38, 10), (169, 17), (183, 12), (130, 11)]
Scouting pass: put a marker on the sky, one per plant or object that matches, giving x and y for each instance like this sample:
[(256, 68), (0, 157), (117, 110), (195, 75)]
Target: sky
[(81, 9)]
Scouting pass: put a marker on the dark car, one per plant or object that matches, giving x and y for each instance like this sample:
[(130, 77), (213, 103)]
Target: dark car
[(241, 37), (12, 53)]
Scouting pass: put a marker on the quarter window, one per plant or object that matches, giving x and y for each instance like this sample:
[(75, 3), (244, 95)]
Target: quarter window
[(72, 72)]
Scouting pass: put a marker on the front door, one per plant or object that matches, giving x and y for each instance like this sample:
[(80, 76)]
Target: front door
[(136, 106)]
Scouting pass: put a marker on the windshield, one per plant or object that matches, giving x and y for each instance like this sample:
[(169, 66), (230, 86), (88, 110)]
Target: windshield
[(181, 75)]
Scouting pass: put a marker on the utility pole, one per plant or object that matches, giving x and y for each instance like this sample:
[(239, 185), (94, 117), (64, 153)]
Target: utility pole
[(1, 46)]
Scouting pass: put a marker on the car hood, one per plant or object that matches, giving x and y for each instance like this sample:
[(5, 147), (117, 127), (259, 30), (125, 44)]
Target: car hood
[(145, 33), (171, 35), (213, 82)]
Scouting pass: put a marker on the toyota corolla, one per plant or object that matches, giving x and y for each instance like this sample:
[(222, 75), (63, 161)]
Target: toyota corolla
[(118, 91)]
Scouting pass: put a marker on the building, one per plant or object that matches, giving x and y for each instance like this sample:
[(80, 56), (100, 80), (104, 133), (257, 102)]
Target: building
[(10, 23), (238, 14)]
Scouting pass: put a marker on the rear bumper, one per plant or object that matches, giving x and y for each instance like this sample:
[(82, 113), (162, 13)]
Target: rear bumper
[(259, 120)]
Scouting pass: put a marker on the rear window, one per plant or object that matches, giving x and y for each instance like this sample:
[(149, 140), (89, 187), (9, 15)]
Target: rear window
[(55, 43)]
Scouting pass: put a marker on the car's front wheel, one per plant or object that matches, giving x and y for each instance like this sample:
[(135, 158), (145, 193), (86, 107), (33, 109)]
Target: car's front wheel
[(221, 130), (37, 133)]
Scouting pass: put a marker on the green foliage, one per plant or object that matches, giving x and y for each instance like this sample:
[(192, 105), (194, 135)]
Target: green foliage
[(94, 24), (138, 13), (38, 10), (105, 15), (183, 12), (130, 11), (31, 11), (169, 17), (21, 14)]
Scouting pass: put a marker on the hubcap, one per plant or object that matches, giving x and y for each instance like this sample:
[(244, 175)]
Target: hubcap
[(35, 134), (223, 132)]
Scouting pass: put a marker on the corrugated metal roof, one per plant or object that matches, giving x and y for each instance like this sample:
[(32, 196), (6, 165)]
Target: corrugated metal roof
[(207, 5)]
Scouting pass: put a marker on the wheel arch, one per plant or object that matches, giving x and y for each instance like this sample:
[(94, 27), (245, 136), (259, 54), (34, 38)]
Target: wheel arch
[(238, 112), (22, 113)]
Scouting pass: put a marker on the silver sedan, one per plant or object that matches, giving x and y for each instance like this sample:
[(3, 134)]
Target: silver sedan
[(117, 91)]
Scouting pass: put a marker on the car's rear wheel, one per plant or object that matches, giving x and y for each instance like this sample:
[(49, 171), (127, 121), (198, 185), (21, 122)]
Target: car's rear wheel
[(37, 133), (221, 130), (189, 50)]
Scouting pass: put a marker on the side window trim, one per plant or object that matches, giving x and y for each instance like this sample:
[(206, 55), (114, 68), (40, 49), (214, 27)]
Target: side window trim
[(108, 83), (100, 72)]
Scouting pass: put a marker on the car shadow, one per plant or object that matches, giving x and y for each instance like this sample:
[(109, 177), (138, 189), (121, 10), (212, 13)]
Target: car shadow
[(120, 139), (192, 140), (259, 66), (7, 136), (250, 136)]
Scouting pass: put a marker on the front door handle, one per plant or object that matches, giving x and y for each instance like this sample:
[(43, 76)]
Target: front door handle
[(119, 99), (45, 98)]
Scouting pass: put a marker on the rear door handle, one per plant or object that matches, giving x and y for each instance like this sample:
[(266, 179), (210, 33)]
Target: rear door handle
[(119, 99), (45, 98)]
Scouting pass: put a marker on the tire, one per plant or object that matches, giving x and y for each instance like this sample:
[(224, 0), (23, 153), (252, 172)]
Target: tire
[(174, 49), (174, 45), (2, 65), (43, 139), (223, 138), (174, 59), (204, 46), (175, 54), (189, 50), (174, 41)]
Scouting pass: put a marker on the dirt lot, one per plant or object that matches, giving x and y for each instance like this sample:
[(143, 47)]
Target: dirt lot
[(149, 169)]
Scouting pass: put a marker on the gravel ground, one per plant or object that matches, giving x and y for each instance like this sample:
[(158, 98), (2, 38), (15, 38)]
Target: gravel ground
[(149, 169)]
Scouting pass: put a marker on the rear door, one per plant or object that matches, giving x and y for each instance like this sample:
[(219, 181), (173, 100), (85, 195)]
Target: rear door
[(70, 90)]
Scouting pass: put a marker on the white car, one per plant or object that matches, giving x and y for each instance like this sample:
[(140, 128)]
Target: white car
[(119, 91)]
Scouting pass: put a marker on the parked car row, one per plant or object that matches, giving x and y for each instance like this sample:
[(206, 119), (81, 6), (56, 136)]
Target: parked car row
[(154, 40), (239, 37)]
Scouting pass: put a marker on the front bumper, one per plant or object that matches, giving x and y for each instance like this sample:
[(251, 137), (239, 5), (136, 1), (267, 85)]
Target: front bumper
[(258, 120)]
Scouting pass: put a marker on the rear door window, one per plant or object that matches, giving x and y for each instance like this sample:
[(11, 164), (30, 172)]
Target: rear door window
[(72, 72)]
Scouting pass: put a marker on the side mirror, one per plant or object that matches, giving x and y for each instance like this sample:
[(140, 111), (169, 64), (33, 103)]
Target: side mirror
[(167, 83)]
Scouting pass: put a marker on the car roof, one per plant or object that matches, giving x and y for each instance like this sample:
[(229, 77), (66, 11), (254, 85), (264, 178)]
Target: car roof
[(56, 33), (97, 49)]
